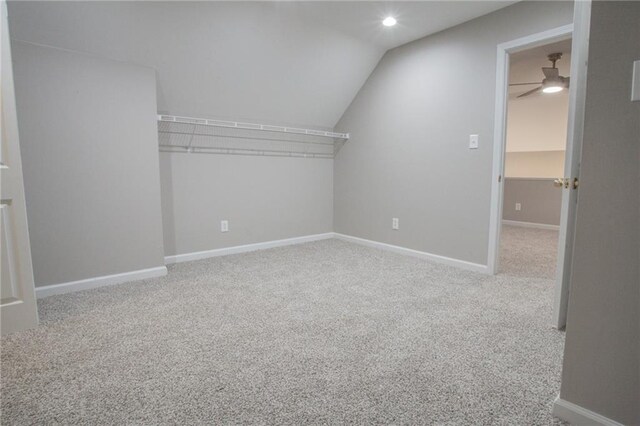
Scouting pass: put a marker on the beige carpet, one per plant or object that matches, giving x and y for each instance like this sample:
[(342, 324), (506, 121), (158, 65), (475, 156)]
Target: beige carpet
[(325, 332)]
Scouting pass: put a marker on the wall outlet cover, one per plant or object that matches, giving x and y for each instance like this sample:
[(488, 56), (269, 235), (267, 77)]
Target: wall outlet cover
[(395, 223), (224, 226), (518, 207)]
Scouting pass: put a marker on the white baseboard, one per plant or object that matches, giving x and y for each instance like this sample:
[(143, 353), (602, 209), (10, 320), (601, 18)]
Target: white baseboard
[(577, 415), (198, 255), (49, 290), (476, 267), (530, 224)]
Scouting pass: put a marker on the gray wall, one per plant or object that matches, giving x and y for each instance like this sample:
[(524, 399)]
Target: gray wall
[(263, 198), (601, 363), (244, 61), (410, 126), (539, 199), (90, 159)]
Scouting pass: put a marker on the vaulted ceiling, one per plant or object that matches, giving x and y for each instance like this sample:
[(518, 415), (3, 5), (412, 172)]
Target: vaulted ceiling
[(295, 63), (416, 19)]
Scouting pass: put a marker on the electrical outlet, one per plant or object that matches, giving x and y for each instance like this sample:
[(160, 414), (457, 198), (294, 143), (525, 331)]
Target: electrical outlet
[(518, 207), (224, 226), (473, 141), (395, 223)]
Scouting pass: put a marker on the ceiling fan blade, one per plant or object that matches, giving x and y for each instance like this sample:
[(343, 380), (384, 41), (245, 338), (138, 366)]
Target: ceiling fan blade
[(525, 84), (550, 73), (530, 92)]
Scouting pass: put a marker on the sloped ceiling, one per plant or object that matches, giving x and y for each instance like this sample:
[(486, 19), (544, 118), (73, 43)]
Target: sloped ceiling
[(416, 19), (278, 62)]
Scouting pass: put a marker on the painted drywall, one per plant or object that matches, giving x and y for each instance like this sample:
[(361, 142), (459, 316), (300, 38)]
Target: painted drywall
[(536, 139), (408, 156), (263, 199), (252, 61), (90, 162), (242, 61), (534, 164), (601, 362), (538, 123), (539, 201)]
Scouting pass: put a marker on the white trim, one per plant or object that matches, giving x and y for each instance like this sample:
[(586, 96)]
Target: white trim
[(577, 415), (530, 224), (502, 73), (89, 283), (187, 257), (462, 264)]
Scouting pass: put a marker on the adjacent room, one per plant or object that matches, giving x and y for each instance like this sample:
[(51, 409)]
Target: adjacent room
[(534, 161), (287, 212)]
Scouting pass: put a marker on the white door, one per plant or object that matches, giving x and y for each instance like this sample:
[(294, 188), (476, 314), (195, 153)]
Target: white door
[(577, 94), (17, 293)]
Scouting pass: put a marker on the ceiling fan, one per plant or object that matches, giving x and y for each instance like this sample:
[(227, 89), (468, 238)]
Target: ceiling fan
[(553, 82)]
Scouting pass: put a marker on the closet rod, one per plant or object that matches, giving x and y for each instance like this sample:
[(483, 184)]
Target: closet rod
[(249, 126), (169, 132)]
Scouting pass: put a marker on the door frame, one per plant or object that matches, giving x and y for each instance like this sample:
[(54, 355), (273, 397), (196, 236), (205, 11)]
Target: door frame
[(19, 310), (574, 141)]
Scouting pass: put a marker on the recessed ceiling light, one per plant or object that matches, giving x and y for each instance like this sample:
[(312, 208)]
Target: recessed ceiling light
[(389, 21)]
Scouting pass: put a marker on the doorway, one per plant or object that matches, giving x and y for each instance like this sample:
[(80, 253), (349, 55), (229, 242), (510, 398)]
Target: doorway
[(534, 157), (577, 93)]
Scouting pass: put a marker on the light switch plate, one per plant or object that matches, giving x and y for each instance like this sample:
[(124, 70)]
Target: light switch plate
[(473, 141), (635, 85)]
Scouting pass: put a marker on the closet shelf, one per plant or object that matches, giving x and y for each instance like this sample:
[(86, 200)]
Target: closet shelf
[(200, 135), (250, 126)]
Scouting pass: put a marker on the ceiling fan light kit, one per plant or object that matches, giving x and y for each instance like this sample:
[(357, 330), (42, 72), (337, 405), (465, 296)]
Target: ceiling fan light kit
[(553, 86), (553, 89), (553, 82)]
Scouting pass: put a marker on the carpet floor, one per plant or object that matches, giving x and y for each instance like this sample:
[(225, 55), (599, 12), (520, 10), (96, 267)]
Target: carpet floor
[(324, 332)]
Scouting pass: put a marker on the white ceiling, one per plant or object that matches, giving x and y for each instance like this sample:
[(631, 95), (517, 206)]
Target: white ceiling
[(289, 63), (416, 19)]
